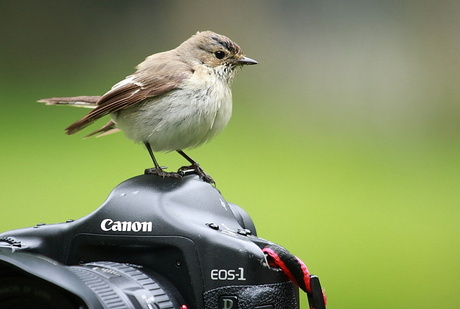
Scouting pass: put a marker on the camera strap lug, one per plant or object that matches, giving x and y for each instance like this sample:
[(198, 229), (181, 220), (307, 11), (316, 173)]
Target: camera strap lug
[(298, 273), (317, 298)]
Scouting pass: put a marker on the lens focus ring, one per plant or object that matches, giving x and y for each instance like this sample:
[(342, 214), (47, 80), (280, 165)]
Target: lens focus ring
[(122, 286)]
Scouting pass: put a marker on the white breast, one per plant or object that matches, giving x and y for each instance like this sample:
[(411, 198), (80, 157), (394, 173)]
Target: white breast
[(183, 118)]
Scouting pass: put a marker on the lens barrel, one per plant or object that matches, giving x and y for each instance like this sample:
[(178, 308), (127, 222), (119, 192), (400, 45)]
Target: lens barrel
[(120, 285), (35, 282)]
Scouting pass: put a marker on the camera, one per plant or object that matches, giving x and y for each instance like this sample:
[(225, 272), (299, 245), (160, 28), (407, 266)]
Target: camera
[(155, 243)]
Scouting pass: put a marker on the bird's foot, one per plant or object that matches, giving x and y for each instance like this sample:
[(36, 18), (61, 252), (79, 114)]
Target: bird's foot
[(196, 168), (160, 172)]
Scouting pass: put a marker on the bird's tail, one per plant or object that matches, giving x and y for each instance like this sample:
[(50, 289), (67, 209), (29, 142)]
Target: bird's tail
[(81, 101), (109, 128), (86, 102)]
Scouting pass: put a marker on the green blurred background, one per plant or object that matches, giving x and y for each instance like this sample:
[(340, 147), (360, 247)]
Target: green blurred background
[(344, 143)]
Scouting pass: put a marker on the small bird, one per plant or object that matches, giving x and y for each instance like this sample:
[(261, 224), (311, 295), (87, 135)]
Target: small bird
[(175, 100)]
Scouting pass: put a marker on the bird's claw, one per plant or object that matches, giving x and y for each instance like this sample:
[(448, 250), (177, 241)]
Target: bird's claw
[(183, 171), (160, 172), (195, 168)]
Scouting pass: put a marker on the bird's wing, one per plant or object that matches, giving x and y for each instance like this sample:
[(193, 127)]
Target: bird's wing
[(129, 92)]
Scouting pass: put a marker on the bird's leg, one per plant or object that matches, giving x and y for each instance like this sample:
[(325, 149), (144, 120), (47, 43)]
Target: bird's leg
[(196, 167), (158, 170)]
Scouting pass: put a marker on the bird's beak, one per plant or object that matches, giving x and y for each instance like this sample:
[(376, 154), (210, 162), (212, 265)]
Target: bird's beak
[(246, 61)]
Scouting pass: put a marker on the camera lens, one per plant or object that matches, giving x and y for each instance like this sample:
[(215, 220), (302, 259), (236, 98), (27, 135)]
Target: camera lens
[(19, 292), (35, 282), (117, 285)]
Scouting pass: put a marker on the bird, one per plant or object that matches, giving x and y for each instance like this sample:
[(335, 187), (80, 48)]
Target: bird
[(175, 100)]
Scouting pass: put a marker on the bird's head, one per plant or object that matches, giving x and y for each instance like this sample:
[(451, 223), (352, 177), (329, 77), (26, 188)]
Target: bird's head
[(215, 51)]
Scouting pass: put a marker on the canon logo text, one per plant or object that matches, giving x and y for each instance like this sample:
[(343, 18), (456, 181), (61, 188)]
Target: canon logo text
[(125, 226)]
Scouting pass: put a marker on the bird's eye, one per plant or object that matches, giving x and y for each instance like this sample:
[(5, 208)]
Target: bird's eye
[(219, 54)]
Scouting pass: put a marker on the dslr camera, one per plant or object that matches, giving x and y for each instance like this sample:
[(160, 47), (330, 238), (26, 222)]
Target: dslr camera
[(153, 244)]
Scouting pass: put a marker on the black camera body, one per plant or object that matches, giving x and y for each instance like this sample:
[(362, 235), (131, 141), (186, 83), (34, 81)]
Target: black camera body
[(155, 243)]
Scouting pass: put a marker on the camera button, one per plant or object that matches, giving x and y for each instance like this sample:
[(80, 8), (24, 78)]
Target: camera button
[(213, 226), (244, 232)]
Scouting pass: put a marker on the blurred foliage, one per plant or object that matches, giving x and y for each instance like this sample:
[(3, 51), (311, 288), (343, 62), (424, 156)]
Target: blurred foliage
[(343, 146)]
